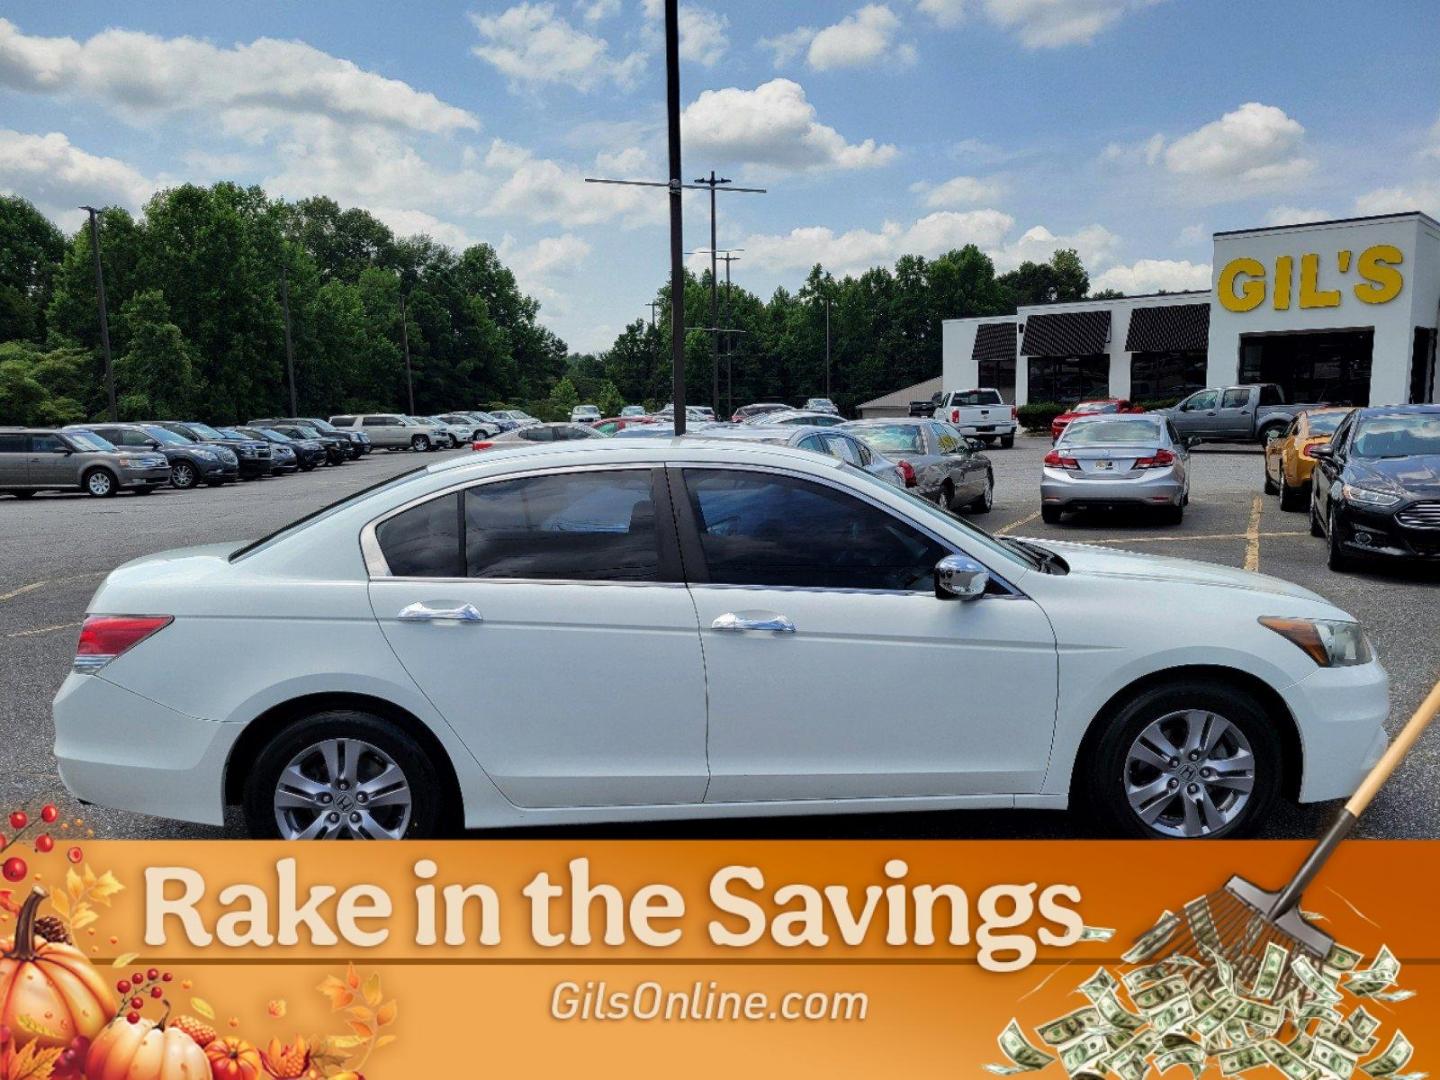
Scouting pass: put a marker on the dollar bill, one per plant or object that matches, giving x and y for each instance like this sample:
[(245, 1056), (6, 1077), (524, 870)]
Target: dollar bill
[(1173, 1015), (1362, 1022), (1069, 1027), (1342, 959), (1084, 1051), (1116, 1015), (1272, 966), (1223, 971), (1396, 1056), (1287, 1061), (1102, 982), (1023, 1057), (1380, 975), (1345, 1037), (1192, 1057), (1319, 987), (1153, 940), (1202, 924), (1392, 996), (1242, 1059), (1096, 933), (1332, 1059), (1151, 998), (1142, 976), (1213, 1018), (1267, 1017)]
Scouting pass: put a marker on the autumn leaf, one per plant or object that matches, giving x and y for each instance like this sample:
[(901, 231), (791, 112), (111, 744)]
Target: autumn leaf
[(83, 916), (344, 1042), (384, 1040), (35, 1027), (352, 977), (203, 1007), (360, 1012), (339, 994), (106, 887), (365, 1031), (124, 959), (372, 989), (61, 903), (73, 885), (386, 1013), (33, 1063)]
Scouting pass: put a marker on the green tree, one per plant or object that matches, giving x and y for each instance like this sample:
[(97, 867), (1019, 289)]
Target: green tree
[(562, 399), (30, 252), (43, 387), (155, 376)]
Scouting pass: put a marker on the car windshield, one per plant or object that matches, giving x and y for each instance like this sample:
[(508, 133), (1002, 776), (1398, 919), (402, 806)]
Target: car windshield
[(321, 425), (892, 438), (1398, 436), (88, 440), (270, 436), (1095, 407), (1111, 432), (307, 432), (165, 436), (1324, 423), (231, 433), (205, 431)]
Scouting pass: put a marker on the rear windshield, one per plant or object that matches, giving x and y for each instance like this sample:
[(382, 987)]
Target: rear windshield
[(1324, 423), (1095, 407), (977, 397), (205, 431), (893, 438), (1123, 432)]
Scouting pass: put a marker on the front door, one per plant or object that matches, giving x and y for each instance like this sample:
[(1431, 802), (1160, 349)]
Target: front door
[(50, 462), (1198, 414), (833, 670), (545, 618)]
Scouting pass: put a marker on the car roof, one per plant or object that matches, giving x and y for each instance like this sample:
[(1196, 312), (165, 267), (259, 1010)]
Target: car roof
[(1370, 412), (883, 421)]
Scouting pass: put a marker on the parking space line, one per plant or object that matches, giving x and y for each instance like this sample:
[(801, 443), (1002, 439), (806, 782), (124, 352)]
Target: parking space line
[(1252, 536), (1184, 537), (21, 590), (1016, 524), (43, 630)]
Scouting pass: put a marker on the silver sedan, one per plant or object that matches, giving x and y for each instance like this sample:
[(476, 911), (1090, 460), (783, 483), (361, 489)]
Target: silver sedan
[(938, 462), (1108, 461)]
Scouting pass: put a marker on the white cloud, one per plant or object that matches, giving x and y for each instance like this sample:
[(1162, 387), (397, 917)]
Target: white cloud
[(1423, 196), (548, 191), (58, 176), (407, 222), (860, 40), (1154, 275), (959, 191), (1295, 215), (593, 11), (1039, 24), (1256, 146), (531, 44), (1095, 244), (703, 33), (1194, 234), (772, 125), (538, 267), (258, 87), (785, 47), (857, 250), (1433, 148)]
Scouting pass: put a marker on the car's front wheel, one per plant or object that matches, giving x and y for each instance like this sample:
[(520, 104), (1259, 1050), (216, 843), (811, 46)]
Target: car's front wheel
[(986, 499), (343, 775), (100, 483), (420, 443), (1185, 760), (183, 476), (1337, 558), (1291, 498)]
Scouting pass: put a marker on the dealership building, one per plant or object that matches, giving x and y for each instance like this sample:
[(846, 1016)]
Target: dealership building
[(1336, 311)]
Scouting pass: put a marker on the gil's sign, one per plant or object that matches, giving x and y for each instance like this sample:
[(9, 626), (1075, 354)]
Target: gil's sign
[(1245, 283)]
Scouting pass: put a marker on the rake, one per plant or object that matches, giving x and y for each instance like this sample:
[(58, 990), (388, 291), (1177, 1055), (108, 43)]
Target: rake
[(1238, 922)]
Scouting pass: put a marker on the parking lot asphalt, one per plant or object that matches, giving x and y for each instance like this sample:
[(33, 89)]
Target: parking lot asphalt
[(54, 550)]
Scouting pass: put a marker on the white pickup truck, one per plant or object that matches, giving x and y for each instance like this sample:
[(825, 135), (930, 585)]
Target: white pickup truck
[(981, 413)]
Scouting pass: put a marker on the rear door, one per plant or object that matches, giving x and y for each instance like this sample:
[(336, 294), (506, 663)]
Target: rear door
[(14, 460), (1237, 413)]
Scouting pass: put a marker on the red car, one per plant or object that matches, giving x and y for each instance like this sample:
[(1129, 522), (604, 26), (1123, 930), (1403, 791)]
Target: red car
[(1090, 408), (612, 424)]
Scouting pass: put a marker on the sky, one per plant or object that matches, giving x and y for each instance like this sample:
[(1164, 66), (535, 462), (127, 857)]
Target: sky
[(1130, 130)]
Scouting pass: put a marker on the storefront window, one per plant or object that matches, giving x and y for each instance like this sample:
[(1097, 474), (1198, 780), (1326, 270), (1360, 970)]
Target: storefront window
[(1161, 376), (1001, 375), (1069, 378), (1331, 367)]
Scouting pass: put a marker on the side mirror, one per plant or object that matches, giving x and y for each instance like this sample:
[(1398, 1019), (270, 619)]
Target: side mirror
[(959, 577), (153, 444), (1324, 452), (63, 450)]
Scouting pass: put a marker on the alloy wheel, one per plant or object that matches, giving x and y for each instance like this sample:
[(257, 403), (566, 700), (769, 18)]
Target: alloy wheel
[(182, 476), (1189, 774), (99, 483), (342, 789)]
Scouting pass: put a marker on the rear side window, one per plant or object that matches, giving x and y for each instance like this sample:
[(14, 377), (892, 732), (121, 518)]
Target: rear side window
[(377, 421), (46, 444), (780, 531), (425, 541), (12, 444), (343, 421), (537, 434), (1270, 395), (1235, 399)]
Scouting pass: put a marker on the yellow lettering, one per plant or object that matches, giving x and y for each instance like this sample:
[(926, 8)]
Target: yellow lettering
[(1284, 277), (1378, 267), (1311, 295), (1251, 293)]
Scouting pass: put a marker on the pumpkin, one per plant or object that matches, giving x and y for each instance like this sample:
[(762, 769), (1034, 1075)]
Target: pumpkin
[(233, 1059), (49, 984), (145, 1050)]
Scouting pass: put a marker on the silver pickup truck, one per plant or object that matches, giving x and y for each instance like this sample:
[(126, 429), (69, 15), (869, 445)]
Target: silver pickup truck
[(1253, 413)]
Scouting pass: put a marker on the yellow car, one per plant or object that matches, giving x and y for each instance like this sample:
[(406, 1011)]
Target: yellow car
[(1288, 463)]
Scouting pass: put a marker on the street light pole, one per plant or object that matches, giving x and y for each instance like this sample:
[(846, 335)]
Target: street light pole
[(289, 347), (827, 347), (713, 182), (405, 343), (728, 258), (677, 216), (104, 316)]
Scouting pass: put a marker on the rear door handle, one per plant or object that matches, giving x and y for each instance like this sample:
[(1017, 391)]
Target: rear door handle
[(731, 621), (421, 612)]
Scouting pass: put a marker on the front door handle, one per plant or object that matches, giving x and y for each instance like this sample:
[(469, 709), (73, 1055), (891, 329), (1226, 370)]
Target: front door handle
[(732, 621), (421, 612)]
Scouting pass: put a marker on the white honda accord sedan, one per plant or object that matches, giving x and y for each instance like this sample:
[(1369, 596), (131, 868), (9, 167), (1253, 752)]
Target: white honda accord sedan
[(461, 646)]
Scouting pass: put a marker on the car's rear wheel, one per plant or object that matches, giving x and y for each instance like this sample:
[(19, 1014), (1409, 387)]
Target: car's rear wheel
[(1007, 441), (183, 476), (99, 483), (343, 775), (1050, 515), (986, 499), (1186, 760), (420, 443)]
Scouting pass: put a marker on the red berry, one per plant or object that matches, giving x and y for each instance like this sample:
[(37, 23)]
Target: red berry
[(166, 977), (152, 974), (75, 854), (138, 978), (4, 1034), (156, 992), (44, 843), (15, 869), (48, 813), (123, 986), (133, 1017), (137, 1003), (19, 819)]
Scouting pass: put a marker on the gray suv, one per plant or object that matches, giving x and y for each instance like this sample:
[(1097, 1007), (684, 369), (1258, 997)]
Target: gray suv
[(44, 459)]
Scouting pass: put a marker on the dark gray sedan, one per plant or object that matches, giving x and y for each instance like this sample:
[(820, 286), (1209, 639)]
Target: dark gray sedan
[(948, 467)]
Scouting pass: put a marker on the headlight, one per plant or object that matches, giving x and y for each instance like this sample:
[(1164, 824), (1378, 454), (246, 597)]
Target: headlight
[(203, 454), (131, 460), (1329, 642), (1369, 497)]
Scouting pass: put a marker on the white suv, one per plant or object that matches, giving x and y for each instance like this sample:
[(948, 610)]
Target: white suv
[(585, 414), (741, 584)]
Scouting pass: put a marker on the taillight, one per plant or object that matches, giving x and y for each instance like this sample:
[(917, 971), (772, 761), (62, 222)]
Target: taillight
[(954, 416), (907, 471), (1057, 460), (1014, 412), (1159, 460), (104, 637), (1308, 450), (481, 444)]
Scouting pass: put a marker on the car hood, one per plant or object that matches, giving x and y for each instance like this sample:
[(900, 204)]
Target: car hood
[(1091, 561), (1413, 477)]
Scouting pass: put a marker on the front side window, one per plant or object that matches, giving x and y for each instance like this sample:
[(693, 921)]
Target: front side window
[(378, 421), (205, 431), (1206, 399), (772, 530), (537, 434), (48, 444)]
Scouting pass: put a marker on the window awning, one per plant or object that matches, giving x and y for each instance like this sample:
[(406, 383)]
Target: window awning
[(1169, 327), (1067, 333), (994, 341)]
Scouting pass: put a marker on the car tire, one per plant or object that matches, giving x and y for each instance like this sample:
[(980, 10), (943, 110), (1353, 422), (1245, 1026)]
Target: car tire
[(1007, 441), (379, 742), (1172, 515), (1291, 498), (946, 498), (23, 494), (1051, 515), (100, 483), (1269, 488), (183, 476), (1336, 557), (1316, 529), (420, 443), (986, 499), (308, 466), (1121, 764)]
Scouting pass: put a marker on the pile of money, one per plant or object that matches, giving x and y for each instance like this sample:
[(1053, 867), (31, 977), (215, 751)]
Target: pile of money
[(1196, 1012)]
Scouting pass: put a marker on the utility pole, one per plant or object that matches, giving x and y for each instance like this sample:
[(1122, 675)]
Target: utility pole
[(712, 183), (289, 347), (104, 316), (827, 346), (653, 305), (405, 342), (728, 258)]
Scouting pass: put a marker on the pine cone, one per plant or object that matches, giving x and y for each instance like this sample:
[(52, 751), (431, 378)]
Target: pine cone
[(52, 929)]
